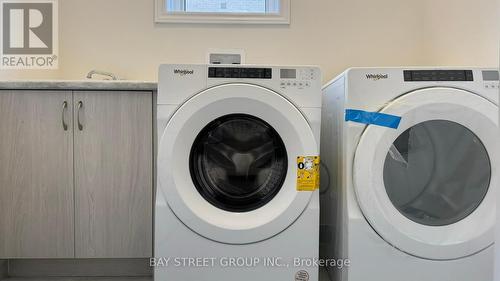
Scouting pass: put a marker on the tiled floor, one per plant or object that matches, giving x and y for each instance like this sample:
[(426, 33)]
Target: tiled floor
[(80, 279), (322, 277)]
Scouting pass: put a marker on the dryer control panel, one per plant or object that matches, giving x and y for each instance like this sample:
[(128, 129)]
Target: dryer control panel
[(488, 78), (438, 75)]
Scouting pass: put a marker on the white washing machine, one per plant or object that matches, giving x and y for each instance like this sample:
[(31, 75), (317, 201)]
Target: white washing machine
[(233, 140), (413, 156)]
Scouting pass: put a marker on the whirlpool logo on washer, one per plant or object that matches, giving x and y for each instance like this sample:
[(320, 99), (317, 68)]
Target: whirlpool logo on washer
[(184, 72), (376, 77), (29, 34)]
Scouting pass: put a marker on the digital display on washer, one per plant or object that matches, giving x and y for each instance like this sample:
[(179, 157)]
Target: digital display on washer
[(438, 75), (491, 75), (240, 72), (288, 73)]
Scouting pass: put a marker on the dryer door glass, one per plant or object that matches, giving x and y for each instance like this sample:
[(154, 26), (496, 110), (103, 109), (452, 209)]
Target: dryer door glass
[(437, 173), (238, 163)]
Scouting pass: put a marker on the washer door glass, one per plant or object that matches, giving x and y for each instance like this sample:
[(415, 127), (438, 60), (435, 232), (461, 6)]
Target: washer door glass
[(437, 172), (238, 163)]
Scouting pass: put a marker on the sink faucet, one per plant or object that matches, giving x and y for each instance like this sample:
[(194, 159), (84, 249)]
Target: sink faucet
[(103, 73)]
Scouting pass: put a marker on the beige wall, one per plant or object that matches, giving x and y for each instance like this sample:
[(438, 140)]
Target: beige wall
[(120, 36), (461, 32)]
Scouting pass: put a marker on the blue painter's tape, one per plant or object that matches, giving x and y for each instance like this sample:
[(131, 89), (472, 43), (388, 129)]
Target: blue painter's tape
[(372, 118)]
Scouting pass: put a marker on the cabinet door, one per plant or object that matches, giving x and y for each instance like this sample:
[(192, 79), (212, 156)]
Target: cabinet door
[(36, 175), (113, 174)]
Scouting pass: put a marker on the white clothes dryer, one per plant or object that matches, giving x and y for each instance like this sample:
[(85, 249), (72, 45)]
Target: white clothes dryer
[(413, 156)]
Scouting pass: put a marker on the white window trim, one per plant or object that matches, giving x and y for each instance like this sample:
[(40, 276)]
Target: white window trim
[(163, 16)]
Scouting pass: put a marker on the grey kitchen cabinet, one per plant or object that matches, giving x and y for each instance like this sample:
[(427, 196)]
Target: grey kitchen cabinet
[(36, 174), (113, 150), (76, 173)]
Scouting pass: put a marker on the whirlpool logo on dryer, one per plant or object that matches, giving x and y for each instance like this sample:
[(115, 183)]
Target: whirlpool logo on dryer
[(183, 72), (376, 77)]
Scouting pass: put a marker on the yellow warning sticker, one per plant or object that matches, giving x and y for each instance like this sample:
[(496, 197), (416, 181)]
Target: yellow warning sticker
[(307, 173)]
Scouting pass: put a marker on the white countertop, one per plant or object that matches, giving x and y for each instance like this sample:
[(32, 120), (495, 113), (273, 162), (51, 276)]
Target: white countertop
[(111, 85)]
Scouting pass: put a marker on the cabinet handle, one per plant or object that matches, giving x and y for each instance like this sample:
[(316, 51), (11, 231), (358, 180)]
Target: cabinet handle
[(80, 106), (63, 118)]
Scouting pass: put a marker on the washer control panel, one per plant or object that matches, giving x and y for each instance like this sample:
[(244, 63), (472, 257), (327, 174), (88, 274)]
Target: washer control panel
[(301, 78), (491, 85), (240, 72), (490, 79), (292, 80)]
